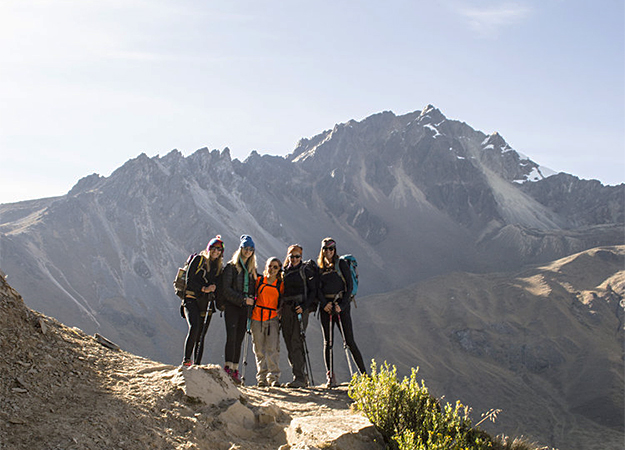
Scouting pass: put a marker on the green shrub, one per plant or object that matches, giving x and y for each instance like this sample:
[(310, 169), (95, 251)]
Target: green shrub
[(409, 418)]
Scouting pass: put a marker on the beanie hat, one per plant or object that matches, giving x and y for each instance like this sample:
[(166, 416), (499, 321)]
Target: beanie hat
[(246, 241), (328, 242), (216, 241)]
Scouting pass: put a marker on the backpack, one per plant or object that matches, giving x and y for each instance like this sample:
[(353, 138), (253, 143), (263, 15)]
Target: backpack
[(353, 269), (180, 282)]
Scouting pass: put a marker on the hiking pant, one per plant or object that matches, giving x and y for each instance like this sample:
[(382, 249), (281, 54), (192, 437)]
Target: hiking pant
[(236, 325), (195, 314), (266, 339), (293, 340), (346, 321)]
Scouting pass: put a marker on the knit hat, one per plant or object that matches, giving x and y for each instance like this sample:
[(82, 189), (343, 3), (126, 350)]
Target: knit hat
[(215, 242), (328, 242), (246, 241)]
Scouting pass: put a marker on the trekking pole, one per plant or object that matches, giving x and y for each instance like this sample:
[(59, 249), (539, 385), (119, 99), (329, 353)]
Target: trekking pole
[(199, 349), (248, 333), (348, 354), (330, 344), (308, 366)]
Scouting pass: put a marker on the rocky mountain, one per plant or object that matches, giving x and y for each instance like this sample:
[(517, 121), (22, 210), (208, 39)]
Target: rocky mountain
[(412, 196)]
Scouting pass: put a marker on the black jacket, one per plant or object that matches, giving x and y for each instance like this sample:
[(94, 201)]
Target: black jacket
[(233, 285), (332, 283), (296, 277), (198, 277)]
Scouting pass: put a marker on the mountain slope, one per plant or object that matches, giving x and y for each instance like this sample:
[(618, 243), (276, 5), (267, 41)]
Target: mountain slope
[(545, 345)]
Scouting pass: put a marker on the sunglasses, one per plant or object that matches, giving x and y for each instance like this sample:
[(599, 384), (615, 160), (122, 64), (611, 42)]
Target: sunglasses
[(295, 256), (327, 249), (219, 249), (274, 266), (249, 249)]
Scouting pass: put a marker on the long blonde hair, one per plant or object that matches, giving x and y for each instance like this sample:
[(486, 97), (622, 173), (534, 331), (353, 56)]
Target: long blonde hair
[(219, 261), (251, 262)]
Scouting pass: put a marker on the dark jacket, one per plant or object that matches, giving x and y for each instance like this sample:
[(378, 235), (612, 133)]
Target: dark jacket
[(233, 285), (198, 277), (332, 283), (302, 282)]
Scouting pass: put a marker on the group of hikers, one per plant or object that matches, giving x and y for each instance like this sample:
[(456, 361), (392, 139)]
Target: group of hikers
[(260, 305)]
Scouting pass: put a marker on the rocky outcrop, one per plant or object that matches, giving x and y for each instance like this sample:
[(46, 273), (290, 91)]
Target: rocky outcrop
[(60, 388)]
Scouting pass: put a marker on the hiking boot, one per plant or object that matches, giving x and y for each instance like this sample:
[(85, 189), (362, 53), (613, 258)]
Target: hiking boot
[(276, 384), (330, 381), (296, 383), (186, 363), (262, 383), (235, 377)]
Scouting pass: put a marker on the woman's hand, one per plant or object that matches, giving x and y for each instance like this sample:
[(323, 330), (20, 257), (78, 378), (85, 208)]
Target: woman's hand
[(337, 308), (249, 301), (328, 308), (209, 288), (298, 310)]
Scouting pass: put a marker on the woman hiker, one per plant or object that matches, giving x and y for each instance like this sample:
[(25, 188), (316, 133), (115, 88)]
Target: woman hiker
[(334, 287), (239, 285), (300, 293), (266, 326), (202, 279)]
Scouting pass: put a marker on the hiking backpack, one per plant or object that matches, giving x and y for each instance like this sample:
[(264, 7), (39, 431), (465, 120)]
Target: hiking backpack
[(180, 282), (353, 270)]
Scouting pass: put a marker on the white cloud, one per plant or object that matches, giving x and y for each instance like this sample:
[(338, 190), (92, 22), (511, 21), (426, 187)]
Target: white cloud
[(489, 20)]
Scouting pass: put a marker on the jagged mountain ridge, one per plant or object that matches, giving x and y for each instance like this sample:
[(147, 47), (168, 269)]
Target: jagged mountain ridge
[(411, 196)]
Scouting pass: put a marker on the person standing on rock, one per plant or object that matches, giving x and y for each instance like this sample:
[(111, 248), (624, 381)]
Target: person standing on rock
[(300, 294), (265, 324), (202, 280), (335, 282), (239, 285)]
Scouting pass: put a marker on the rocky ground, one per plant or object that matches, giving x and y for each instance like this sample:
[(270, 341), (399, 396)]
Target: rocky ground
[(63, 389)]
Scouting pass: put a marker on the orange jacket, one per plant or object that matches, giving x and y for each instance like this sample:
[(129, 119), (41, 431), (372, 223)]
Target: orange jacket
[(267, 296)]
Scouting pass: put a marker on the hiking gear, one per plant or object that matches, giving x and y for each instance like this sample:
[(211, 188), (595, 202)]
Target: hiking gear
[(248, 333), (215, 242), (330, 381), (235, 377), (297, 383), (276, 384), (308, 366), (295, 256), (199, 349), (293, 337), (262, 384), (267, 298), (328, 243), (348, 355), (352, 264), (180, 281), (330, 344), (246, 241), (187, 363)]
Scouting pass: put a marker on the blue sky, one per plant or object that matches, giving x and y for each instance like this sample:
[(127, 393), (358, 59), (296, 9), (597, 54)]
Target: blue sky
[(86, 85)]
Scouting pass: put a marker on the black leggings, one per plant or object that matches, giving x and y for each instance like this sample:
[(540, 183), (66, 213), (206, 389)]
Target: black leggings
[(346, 323), (195, 320), (236, 325)]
